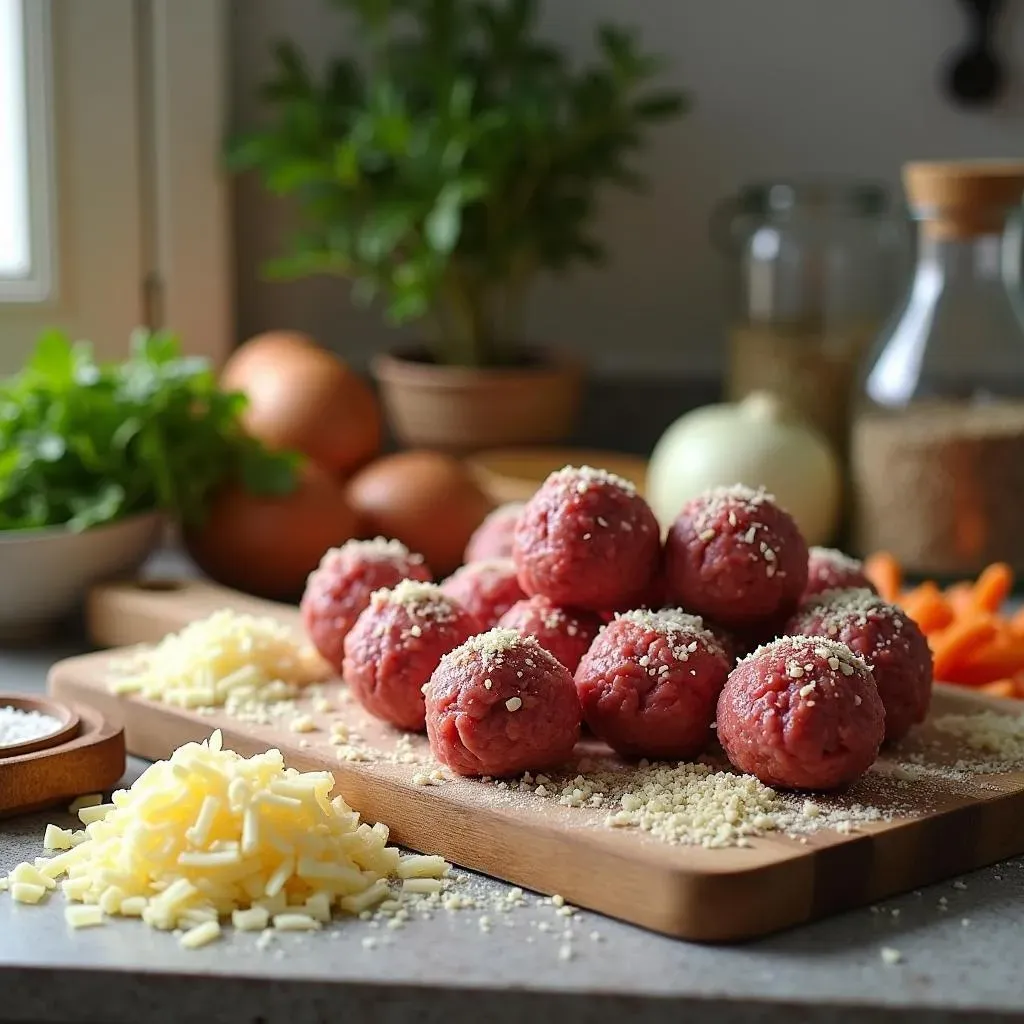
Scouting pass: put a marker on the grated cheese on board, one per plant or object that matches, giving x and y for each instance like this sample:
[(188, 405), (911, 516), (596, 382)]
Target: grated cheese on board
[(224, 659), (210, 834)]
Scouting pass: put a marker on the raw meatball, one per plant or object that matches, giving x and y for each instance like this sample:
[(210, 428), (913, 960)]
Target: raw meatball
[(396, 643), (493, 537), (586, 539), (801, 713), (487, 589), (735, 557), (500, 705), (340, 589), (566, 633), (889, 641), (649, 683), (829, 569)]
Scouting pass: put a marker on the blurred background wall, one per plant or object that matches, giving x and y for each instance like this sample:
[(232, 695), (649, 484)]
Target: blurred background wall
[(780, 88)]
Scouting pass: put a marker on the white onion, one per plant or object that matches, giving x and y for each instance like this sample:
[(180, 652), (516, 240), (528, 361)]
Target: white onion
[(756, 442)]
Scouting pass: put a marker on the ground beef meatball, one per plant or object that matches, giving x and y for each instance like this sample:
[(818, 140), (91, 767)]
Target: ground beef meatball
[(649, 683), (487, 589), (889, 641), (829, 569), (493, 537), (396, 643), (736, 558), (801, 713), (566, 633), (501, 705), (586, 539), (340, 589)]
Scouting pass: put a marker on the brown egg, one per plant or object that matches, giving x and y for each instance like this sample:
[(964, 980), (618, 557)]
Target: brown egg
[(430, 502), (269, 545), (304, 398)]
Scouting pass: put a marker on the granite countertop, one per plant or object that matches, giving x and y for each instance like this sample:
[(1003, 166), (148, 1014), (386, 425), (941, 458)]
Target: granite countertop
[(960, 961)]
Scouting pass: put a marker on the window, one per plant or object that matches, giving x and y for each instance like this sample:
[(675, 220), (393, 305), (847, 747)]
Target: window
[(26, 251), (112, 201)]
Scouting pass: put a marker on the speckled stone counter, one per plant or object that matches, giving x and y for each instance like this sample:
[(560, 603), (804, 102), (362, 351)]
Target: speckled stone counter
[(961, 960)]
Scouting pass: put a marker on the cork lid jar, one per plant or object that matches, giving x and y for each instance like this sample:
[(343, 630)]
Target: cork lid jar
[(963, 199), (937, 454)]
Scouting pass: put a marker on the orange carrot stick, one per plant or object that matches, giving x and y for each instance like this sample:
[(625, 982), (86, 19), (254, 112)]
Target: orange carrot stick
[(928, 607), (1000, 658), (1017, 622), (885, 573), (993, 587), (954, 644)]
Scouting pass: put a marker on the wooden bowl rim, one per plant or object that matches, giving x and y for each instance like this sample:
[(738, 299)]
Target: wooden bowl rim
[(64, 713)]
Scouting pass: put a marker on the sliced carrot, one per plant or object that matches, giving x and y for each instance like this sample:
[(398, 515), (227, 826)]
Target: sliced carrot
[(960, 597), (1000, 658), (952, 646), (885, 573), (1000, 688), (993, 587), (927, 606)]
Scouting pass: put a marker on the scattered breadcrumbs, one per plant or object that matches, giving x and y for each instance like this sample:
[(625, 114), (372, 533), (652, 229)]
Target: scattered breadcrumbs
[(380, 549), (582, 478), (995, 741), (491, 647), (838, 559), (685, 633), (424, 602), (837, 609), (225, 658), (696, 804), (890, 956)]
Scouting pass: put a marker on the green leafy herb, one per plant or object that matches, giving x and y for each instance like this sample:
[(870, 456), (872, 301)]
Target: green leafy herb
[(460, 156), (84, 443)]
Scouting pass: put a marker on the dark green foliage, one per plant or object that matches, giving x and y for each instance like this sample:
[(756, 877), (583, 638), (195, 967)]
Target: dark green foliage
[(461, 158), (84, 443)]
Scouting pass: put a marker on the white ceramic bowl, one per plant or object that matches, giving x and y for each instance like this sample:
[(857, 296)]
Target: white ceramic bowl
[(45, 573)]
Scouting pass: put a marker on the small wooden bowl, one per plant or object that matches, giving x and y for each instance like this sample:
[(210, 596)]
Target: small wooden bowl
[(514, 474), (67, 716)]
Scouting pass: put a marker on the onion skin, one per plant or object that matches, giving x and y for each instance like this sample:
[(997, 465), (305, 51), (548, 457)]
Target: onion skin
[(304, 398), (756, 442), (429, 501), (268, 546)]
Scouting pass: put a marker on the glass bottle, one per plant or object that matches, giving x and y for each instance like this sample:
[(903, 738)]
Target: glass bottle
[(816, 266), (938, 442)]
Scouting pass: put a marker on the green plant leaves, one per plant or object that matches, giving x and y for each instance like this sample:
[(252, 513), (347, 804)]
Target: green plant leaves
[(462, 155), (84, 443), (445, 220)]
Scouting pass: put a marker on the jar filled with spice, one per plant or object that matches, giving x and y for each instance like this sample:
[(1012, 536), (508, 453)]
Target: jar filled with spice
[(816, 271), (938, 442)]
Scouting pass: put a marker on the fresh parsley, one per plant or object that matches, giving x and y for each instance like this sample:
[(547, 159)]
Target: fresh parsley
[(84, 443)]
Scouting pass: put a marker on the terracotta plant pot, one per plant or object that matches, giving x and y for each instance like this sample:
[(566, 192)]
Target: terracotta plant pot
[(459, 410)]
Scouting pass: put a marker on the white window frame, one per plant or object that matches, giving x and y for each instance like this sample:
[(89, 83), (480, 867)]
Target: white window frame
[(161, 256), (39, 285)]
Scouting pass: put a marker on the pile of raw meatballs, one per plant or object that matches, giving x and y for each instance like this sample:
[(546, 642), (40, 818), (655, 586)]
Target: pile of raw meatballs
[(571, 611)]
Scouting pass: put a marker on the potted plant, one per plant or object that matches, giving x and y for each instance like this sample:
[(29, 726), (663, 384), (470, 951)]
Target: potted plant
[(460, 158)]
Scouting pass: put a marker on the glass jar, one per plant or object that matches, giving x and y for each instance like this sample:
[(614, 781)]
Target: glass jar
[(938, 444), (817, 265)]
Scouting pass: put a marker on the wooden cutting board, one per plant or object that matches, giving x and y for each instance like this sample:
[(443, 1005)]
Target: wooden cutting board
[(940, 828)]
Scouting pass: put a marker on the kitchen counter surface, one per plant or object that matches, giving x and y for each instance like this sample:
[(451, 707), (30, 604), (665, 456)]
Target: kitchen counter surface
[(960, 960)]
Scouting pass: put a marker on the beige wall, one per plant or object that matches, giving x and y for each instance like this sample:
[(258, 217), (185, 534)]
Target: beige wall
[(781, 87)]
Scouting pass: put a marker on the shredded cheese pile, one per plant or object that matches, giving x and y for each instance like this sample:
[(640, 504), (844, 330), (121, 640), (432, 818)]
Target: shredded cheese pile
[(225, 659), (209, 835)]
